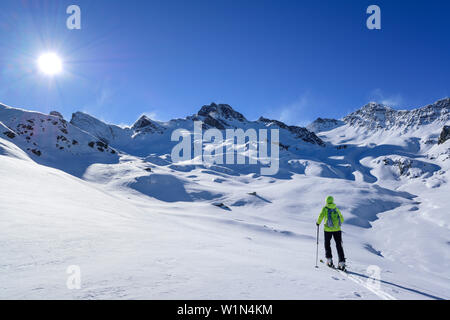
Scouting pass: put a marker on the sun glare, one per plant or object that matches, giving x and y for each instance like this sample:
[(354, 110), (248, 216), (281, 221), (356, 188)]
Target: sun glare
[(50, 64)]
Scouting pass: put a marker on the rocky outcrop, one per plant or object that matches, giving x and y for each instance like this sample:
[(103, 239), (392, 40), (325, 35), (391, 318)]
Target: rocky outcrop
[(324, 124), (46, 136), (221, 112), (56, 114), (376, 116), (219, 116), (299, 132), (445, 135), (9, 134), (145, 124)]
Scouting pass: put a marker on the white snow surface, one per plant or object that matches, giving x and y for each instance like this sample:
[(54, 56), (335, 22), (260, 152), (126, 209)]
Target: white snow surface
[(142, 227)]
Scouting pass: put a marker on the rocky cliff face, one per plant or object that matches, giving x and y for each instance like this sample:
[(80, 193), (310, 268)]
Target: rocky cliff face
[(445, 135), (221, 112), (375, 116), (299, 132), (218, 116), (321, 125), (145, 124), (51, 140)]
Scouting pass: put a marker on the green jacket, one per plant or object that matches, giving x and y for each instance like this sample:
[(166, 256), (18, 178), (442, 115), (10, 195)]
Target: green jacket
[(336, 216)]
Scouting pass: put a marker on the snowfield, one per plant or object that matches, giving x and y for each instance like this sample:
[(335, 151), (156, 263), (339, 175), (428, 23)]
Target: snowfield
[(142, 227)]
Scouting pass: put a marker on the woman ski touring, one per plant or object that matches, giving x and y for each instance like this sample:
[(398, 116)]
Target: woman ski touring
[(332, 227)]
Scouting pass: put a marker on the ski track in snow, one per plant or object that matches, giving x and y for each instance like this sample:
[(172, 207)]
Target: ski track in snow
[(380, 293)]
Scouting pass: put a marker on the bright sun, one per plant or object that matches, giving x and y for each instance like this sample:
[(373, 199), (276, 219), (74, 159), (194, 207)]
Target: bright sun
[(50, 64)]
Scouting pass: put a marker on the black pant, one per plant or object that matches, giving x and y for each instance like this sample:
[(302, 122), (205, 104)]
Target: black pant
[(337, 235)]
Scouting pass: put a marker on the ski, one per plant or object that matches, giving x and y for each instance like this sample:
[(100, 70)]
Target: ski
[(334, 267)]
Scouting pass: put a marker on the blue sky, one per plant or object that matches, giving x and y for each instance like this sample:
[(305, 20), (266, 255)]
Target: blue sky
[(290, 60)]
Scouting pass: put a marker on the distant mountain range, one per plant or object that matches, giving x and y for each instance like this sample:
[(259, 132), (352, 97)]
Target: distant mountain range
[(375, 116), (51, 140)]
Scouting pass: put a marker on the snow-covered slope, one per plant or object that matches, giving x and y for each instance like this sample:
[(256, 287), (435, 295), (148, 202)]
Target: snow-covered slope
[(140, 226), (147, 136), (320, 125), (50, 140), (375, 117)]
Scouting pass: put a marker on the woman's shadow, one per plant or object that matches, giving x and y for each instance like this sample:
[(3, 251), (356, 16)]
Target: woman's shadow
[(396, 285)]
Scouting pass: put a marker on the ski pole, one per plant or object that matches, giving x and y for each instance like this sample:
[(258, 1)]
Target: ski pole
[(317, 247)]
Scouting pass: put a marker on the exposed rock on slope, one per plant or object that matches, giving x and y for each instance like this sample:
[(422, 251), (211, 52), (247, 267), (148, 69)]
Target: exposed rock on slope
[(378, 116), (7, 131), (48, 136), (148, 136), (221, 111), (375, 116), (219, 116), (321, 125), (445, 135), (56, 114), (299, 132), (145, 124)]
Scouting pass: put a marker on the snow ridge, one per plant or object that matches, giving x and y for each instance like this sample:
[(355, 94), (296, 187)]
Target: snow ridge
[(375, 116), (146, 131)]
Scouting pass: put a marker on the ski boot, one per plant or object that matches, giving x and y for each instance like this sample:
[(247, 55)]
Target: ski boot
[(341, 266), (330, 263)]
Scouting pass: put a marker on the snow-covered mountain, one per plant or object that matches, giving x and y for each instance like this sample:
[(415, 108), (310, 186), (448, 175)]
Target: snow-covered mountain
[(52, 141), (149, 137), (375, 116), (320, 125), (221, 117), (445, 135), (110, 200)]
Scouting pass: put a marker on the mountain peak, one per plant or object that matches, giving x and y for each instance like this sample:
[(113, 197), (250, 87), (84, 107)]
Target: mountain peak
[(375, 107), (56, 114), (442, 103), (378, 116), (324, 124), (142, 122), (222, 111), (299, 132), (145, 124)]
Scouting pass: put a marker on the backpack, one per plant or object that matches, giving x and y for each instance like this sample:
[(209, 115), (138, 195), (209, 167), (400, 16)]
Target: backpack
[(330, 223)]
